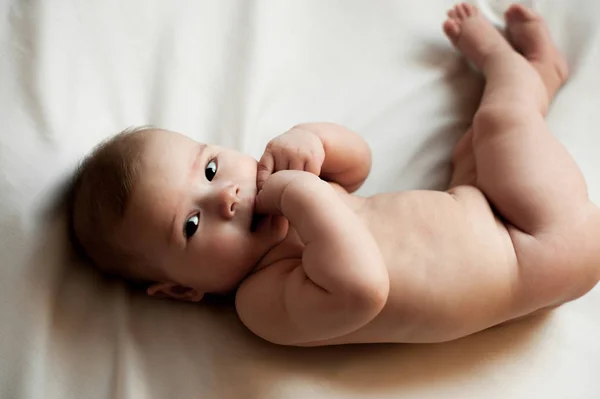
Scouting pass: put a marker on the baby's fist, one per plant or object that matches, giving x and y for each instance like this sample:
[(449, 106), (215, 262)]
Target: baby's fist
[(297, 149), (269, 200)]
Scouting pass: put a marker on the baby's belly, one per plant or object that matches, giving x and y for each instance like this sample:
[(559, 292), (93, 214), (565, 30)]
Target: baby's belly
[(451, 264)]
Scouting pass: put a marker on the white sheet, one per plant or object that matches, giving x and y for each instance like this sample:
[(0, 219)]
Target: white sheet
[(237, 73)]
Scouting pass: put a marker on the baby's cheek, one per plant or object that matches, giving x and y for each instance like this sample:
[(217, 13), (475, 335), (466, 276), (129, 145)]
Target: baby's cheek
[(226, 246)]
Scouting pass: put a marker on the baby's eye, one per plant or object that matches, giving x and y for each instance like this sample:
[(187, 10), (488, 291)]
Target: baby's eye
[(211, 170), (191, 225)]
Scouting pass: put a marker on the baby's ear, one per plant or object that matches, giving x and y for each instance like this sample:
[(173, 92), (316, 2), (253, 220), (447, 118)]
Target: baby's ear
[(174, 291)]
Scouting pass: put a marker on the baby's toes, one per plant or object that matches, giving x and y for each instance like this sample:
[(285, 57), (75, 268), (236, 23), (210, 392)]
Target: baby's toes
[(468, 10), (462, 11), (452, 29), (452, 13)]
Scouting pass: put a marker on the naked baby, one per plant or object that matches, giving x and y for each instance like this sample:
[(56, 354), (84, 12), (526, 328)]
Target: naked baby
[(312, 264)]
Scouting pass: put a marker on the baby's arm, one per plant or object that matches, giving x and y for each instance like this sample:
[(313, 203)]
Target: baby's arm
[(347, 155), (331, 151), (340, 283)]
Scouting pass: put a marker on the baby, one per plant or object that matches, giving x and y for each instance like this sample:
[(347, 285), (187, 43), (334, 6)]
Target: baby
[(515, 232)]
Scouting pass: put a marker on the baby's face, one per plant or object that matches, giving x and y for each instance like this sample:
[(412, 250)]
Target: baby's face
[(191, 213)]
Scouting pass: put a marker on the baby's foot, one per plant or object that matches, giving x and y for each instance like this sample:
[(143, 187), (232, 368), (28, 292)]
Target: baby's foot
[(473, 35), (530, 36)]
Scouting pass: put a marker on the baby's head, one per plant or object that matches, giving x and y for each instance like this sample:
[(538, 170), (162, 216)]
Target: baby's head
[(157, 207)]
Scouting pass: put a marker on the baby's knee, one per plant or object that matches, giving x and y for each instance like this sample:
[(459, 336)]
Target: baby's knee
[(492, 118)]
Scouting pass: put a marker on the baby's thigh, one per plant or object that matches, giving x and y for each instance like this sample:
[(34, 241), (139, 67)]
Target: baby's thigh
[(558, 265)]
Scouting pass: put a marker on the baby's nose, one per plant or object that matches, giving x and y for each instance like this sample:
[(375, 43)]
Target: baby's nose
[(227, 200)]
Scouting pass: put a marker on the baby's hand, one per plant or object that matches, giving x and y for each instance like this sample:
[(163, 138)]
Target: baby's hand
[(297, 149), (270, 198)]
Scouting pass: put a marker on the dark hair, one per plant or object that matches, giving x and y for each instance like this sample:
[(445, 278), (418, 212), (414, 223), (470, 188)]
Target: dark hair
[(100, 196)]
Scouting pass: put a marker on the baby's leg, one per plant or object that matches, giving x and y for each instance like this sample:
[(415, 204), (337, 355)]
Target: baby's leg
[(523, 170), (525, 173), (529, 35)]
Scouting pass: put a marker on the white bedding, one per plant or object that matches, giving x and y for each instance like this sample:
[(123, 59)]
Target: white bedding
[(237, 73)]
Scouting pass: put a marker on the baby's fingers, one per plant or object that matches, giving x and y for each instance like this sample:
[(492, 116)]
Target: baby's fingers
[(269, 197), (268, 200), (296, 164), (267, 203), (313, 165), (282, 162), (265, 169)]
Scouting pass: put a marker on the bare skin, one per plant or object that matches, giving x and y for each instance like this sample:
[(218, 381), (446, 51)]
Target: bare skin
[(454, 266), (514, 234)]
